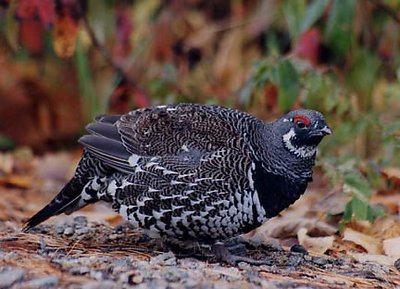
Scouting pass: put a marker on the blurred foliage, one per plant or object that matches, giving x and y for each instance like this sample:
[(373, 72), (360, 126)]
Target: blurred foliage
[(63, 62)]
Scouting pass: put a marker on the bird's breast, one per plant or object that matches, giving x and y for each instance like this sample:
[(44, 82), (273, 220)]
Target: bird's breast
[(275, 192)]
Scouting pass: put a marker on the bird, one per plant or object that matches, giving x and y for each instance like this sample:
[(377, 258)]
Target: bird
[(191, 171)]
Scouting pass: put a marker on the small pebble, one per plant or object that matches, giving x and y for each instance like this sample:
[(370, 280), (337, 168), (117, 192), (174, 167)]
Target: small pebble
[(137, 279), (297, 248), (41, 282), (9, 276), (165, 259), (82, 231), (397, 264), (294, 260), (320, 261), (106, 284), (80, 270), (80, 221), (69, 231), (60, 229), (191, 283)]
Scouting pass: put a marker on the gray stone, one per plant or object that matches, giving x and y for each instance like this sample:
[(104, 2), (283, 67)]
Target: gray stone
[(80, 222), (68, 231), (9, 276), (45, 282), (106, 284), (320, 261), (397, 264), (165, 259)]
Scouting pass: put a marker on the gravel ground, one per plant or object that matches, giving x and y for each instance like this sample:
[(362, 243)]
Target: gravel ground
[(93, 255)]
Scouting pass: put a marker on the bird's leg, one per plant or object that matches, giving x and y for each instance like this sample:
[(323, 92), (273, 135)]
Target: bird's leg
[(223, 254)]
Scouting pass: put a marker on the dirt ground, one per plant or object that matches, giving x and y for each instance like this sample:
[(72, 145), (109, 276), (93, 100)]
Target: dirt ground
[(93, 248)]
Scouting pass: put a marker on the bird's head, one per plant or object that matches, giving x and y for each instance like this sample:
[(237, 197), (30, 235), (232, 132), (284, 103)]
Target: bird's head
[(301, 131)]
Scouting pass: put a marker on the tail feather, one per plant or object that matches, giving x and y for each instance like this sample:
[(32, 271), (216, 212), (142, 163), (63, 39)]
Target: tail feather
[(66, 201)]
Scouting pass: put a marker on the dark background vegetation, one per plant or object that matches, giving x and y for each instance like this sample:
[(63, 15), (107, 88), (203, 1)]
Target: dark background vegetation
[(64, 61)]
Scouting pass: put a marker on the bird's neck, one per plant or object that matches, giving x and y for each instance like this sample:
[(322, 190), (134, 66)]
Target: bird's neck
[(277, 159)]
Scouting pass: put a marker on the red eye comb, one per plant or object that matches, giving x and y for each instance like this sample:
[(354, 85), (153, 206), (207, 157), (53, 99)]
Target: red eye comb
[(303, 119)]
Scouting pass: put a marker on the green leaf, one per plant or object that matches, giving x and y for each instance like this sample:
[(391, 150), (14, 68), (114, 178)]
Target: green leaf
[(246, 91), (313, 12), (390, 129), (287, 79), (6, 143), (374, 212), (363, 74), (262, 73), (294, 13), (86, 87), (338, 33), (359, 209), (348, 214), (358, 186)]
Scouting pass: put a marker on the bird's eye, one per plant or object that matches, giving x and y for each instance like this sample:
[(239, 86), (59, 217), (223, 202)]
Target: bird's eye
[(301, 121), (300, 124)]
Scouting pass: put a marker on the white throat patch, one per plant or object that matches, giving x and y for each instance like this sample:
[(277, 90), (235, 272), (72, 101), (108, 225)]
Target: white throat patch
[(303, 151)]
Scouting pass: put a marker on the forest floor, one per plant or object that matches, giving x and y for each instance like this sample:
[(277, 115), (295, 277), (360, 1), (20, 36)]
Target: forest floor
[(93, 248)]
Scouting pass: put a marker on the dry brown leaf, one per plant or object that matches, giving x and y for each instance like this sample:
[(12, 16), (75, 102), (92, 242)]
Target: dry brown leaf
[(23, 182), (392, 174), (380, 259), (391, 247), (370, 244), (64, 35), (386, 228), (227, 65), (318, 245), (388, 200), (288, 227), (6, 163), (55, 167)]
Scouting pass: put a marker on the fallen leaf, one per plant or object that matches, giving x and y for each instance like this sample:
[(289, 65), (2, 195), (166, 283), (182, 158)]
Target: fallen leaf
[(391, 174), (380, 259), (64, 36), (318, 245), (54, 167), (280, 228), (391, 247), (6, 163), (369, 243), (23, 182)]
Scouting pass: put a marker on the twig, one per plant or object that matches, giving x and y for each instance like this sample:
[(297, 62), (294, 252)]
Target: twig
[(392, 13), (108, 57)]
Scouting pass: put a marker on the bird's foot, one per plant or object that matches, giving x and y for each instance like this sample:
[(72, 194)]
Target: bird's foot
[(223, 254)]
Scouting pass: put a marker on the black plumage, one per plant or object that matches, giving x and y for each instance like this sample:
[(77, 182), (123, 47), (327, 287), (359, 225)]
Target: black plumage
[(191, 171)]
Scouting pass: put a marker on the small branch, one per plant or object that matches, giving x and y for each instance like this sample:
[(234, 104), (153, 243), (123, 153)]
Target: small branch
[(389, 11), (107, 55)]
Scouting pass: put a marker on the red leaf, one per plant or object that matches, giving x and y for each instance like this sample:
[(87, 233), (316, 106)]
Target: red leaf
[(31, 35), (271, 96), (308, 45), (127, 96), (124, 30), (141, 99), (44, 10)]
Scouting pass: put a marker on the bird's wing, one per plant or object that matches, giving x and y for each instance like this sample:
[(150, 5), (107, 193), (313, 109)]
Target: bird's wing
[(168, 130), (121, 141)]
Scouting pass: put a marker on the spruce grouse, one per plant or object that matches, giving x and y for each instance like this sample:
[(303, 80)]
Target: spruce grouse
[(193, 172)]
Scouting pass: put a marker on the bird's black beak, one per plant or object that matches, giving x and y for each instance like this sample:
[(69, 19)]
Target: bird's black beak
[(316, 135), (325, 130)]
